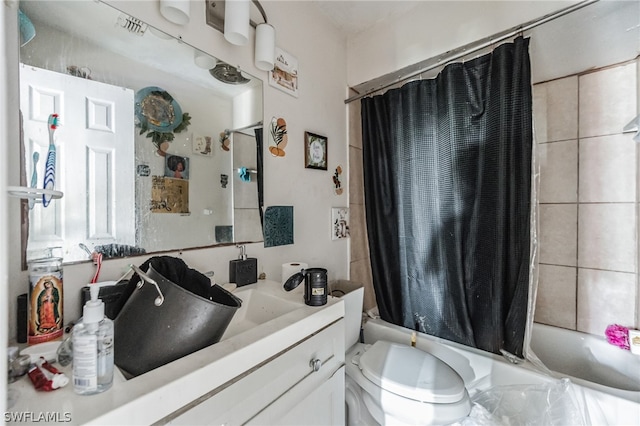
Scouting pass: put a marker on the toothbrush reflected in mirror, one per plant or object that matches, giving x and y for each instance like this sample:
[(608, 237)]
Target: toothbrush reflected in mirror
[(50, 166)]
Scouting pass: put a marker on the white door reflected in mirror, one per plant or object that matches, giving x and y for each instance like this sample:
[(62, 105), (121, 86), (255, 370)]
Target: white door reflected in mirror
[(86, 43), (87, 144)]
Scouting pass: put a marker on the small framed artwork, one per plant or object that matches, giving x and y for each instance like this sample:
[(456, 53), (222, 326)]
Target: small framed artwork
[(176, 167), (143, 170), (315, 151), (169, 195), (339, 223), (202, 145), (284, 75)]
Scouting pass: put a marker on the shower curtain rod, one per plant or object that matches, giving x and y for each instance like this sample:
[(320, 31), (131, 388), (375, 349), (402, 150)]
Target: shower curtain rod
[(414, 70), (229, 131)]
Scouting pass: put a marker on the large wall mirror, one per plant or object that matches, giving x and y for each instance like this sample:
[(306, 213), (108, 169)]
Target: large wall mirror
[(143, 158)]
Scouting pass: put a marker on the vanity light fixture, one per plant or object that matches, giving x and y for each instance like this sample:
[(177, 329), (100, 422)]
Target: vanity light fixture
[(176, 11), (236, 21), (265, 53), (203, 60), (232, 17)]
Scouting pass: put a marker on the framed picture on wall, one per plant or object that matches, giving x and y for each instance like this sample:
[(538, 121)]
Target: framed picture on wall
[(339, 223), (202, 145), (176, 167), (315, 151), (284, 75)]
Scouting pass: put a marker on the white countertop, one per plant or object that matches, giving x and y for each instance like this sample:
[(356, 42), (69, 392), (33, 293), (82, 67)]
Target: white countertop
[(152, 396)]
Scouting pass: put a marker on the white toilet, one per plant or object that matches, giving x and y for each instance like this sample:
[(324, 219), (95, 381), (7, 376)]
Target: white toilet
[(393, 384)]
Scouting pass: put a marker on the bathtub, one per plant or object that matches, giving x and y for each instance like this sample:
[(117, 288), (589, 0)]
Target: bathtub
[(484, 371), (589, 359)]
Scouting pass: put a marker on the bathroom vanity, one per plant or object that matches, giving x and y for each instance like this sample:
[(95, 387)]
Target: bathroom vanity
[(280, 361)]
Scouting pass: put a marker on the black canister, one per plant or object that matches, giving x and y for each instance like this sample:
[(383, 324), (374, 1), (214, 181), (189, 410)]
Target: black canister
[(315, 285)]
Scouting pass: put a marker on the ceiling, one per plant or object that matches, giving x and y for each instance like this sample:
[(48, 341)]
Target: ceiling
[(354, 16)]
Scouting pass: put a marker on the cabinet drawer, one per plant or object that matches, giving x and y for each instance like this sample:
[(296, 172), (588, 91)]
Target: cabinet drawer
[(241, 399), (308, 403)]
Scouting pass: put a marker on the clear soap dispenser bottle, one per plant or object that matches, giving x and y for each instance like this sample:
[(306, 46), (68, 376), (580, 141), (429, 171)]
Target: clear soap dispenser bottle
[(93, 348)]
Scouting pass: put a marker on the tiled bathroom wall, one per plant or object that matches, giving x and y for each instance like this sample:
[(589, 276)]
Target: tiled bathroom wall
[(360, 267), (588, 248)]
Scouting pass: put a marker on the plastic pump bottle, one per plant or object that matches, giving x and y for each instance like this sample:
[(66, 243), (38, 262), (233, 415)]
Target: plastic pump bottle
[(93, 348)]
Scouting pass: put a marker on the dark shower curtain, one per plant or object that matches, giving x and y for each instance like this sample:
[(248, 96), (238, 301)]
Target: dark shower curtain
[(447, 169), (260, 170)]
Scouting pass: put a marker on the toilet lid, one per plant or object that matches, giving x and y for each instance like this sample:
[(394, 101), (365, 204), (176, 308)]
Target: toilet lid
[(411, 373)]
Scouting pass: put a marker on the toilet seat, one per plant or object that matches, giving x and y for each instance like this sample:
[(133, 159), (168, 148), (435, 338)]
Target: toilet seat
[(411, 373), (369, 372)]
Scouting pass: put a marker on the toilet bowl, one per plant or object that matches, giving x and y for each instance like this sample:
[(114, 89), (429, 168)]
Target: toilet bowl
[(392, 383), (399, 384)]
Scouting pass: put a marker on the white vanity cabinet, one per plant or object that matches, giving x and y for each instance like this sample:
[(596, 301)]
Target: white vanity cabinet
[(278, 366), (303, 384)]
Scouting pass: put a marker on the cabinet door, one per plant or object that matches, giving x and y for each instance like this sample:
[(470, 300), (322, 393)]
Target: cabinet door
[(323, 405), (251, 394)]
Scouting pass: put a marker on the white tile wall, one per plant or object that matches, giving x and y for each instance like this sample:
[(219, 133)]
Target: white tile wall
[(608, 100), (606, 237), (588, 200), (605, 297), (558, 239), (555, 108), (608, 169), (556, 300), (558, 163)]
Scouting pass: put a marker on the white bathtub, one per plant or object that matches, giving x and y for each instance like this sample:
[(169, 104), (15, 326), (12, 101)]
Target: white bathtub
[(483, 371), (589, 358)]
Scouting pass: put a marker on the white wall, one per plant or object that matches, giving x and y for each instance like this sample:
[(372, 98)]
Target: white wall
[(433, 28), (319, 108)]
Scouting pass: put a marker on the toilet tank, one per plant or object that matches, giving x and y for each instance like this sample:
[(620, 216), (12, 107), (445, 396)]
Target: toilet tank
[(353, 295)]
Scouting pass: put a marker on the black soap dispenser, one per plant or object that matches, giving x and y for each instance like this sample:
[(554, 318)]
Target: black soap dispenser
[(243, 270)]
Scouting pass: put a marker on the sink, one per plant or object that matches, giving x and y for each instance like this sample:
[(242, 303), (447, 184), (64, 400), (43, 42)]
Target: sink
[(257, 308)]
